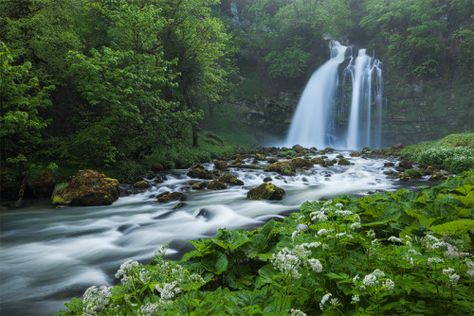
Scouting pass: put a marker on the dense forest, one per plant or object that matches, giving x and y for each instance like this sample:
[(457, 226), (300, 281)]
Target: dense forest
[(122, 85)]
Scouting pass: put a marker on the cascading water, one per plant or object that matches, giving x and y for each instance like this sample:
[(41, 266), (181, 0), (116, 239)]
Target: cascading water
[(321, 119)]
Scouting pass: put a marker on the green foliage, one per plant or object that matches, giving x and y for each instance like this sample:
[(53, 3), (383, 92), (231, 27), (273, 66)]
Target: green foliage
[(455, 152), (398, 252)]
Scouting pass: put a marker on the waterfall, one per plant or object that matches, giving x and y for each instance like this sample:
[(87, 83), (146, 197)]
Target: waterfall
[(321, 118)]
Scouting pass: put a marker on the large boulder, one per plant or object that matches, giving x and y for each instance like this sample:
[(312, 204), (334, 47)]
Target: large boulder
[(281, 167), (229, 178), (299, 149), (87, 188), (220, 164), (344, 162), (266, 191), (198, 171), (301, 163), (170, 196), (216, 185)]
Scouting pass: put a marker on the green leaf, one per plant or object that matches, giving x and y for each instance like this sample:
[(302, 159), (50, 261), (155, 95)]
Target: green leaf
[(457, 227)]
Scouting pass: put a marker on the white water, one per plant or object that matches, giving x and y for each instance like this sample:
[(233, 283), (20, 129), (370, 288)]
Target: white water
[(50, 255), (321, 120)]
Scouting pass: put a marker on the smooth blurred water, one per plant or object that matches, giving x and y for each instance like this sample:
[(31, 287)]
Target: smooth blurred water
[(49, 255)]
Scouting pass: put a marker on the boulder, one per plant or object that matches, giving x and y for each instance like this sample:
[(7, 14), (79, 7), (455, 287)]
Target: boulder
[(281, 167), (299, 149), (355, 154), (158, 167), (318, 161), (220, 164), (405, 164), (398, 146), (42, 184), (170, 196), (301, 163), (266, 191), (198, 185), (388, 164), (229, 178), (198, 171), (272, 160), (267, 179), (87, 188), (260, 157), (343, 162), (216, 185), (141, 185)]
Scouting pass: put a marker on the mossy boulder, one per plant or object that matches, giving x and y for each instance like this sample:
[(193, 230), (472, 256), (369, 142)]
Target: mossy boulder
[(272, 160), (260, 157), (281, 167), (414, 173), (343, 162), (318, 161), (158, 167), (87, 188), (198, 171), (299, 149), (220, 164), (355, 154), (301, 163), (170, 196), (198, 185), (216, 185), (229, 178), (141, 185), (266, 191)]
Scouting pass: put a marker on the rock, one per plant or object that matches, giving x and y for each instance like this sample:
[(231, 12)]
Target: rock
[(391, 173), (299, 149), (366, 150), (343, 162), (272, 160), (216, 185), (141, 185), (198, 171), (318, 161), (87, 188), (355, 154), (405, 164), (339, 156), (220, 164), (158, 167), (329, 163), (229, 178), (170, 196), (260, 157), (179, 205), (42, 184), (329, 150), (301, 163), (439, 175), (281, 167), (388, 164), (403, 176), (398, 146), (267, 179), (266, 191), (413, 173), (198, 185)]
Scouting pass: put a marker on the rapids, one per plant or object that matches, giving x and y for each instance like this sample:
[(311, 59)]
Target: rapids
[(50, 255)]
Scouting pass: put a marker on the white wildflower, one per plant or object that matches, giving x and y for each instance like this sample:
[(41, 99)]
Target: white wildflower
[(470, 273), (378, 273), (374, 243), (389, 284), (355, 279), (327, 203), (126, 267), (160, 252), (287, 261), (194, 277), (301, 227), (371, 234), (334, 301), (95, 299), (344, 235), (314, 244), (454, 278), (301, 251), (319, 216), (394, 239), (339, 205), (149, 309), (370, 280), (448, 271), (432, 260), (297, 312), (470, 264), (316, 265), (168, 291), (294, 234), (322, 232), (343, 213), (324, 300), (413, 252), (144, 276), (355, 225), (355, 299)]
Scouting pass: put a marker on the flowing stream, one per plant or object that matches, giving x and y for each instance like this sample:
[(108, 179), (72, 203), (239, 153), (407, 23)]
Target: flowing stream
[(49, 255)]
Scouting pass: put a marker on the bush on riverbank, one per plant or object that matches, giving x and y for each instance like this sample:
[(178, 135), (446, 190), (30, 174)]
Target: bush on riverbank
[(398, 252), (454, 153)]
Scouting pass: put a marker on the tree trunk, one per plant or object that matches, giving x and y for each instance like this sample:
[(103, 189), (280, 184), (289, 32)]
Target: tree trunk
[(21, 193)]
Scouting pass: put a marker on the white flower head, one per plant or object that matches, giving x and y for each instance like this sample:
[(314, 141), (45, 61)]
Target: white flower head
[(389, 284), (297, 312), (316, 265), (343, 213), (434, 260), (326, 297), (322, 232), (319, 216), (168, 291), (149, 309), (394, 239), (355, 225), (355, 299), (287, 261), (95, 299)]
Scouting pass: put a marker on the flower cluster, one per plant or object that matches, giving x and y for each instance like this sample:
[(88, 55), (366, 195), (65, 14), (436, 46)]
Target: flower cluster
[(287, 262), (125, 271), (168, 291), (327, 299), (297, 312), (149, 309), (452, 276), (95, 299), (376, 280)]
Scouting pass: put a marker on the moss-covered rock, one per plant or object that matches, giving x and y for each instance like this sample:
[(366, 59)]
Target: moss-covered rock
[(301, 163), (355, 154), (198, 171), (87, 188), (229, 178), (266, 191), (343, 162), (198, 185), (318, 161), (157, 167), (260, 157), (216, 185), (220, 164), (414, 173), (272, 160), (141, 185), (281, 167), (299, 149), (170, 196)]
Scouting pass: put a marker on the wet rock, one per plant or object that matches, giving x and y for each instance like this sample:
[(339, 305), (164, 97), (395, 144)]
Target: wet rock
[(198, 171), (388, 164), (267, 179), (329, 163), (391, 173), (440, 175), (87, 188), (220, 164), (198, 185), (299, 149), (216, 185), (141, 185), (179, 205), (157, 167), (272, 160), (366, 150), (229, 178), (281, 167), (428, 171), (301, 163), (170, 196), (204, 213), (343, 162), (413, 173), (125, 190), (318, 161), (266, 191), (339, 156), (260, 157), (355, 154), (405, 164)]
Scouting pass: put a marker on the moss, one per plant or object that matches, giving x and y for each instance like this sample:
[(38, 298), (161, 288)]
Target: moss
[(216, 185), (344, 162), (281, 167), (266, 191), (301, 163)]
